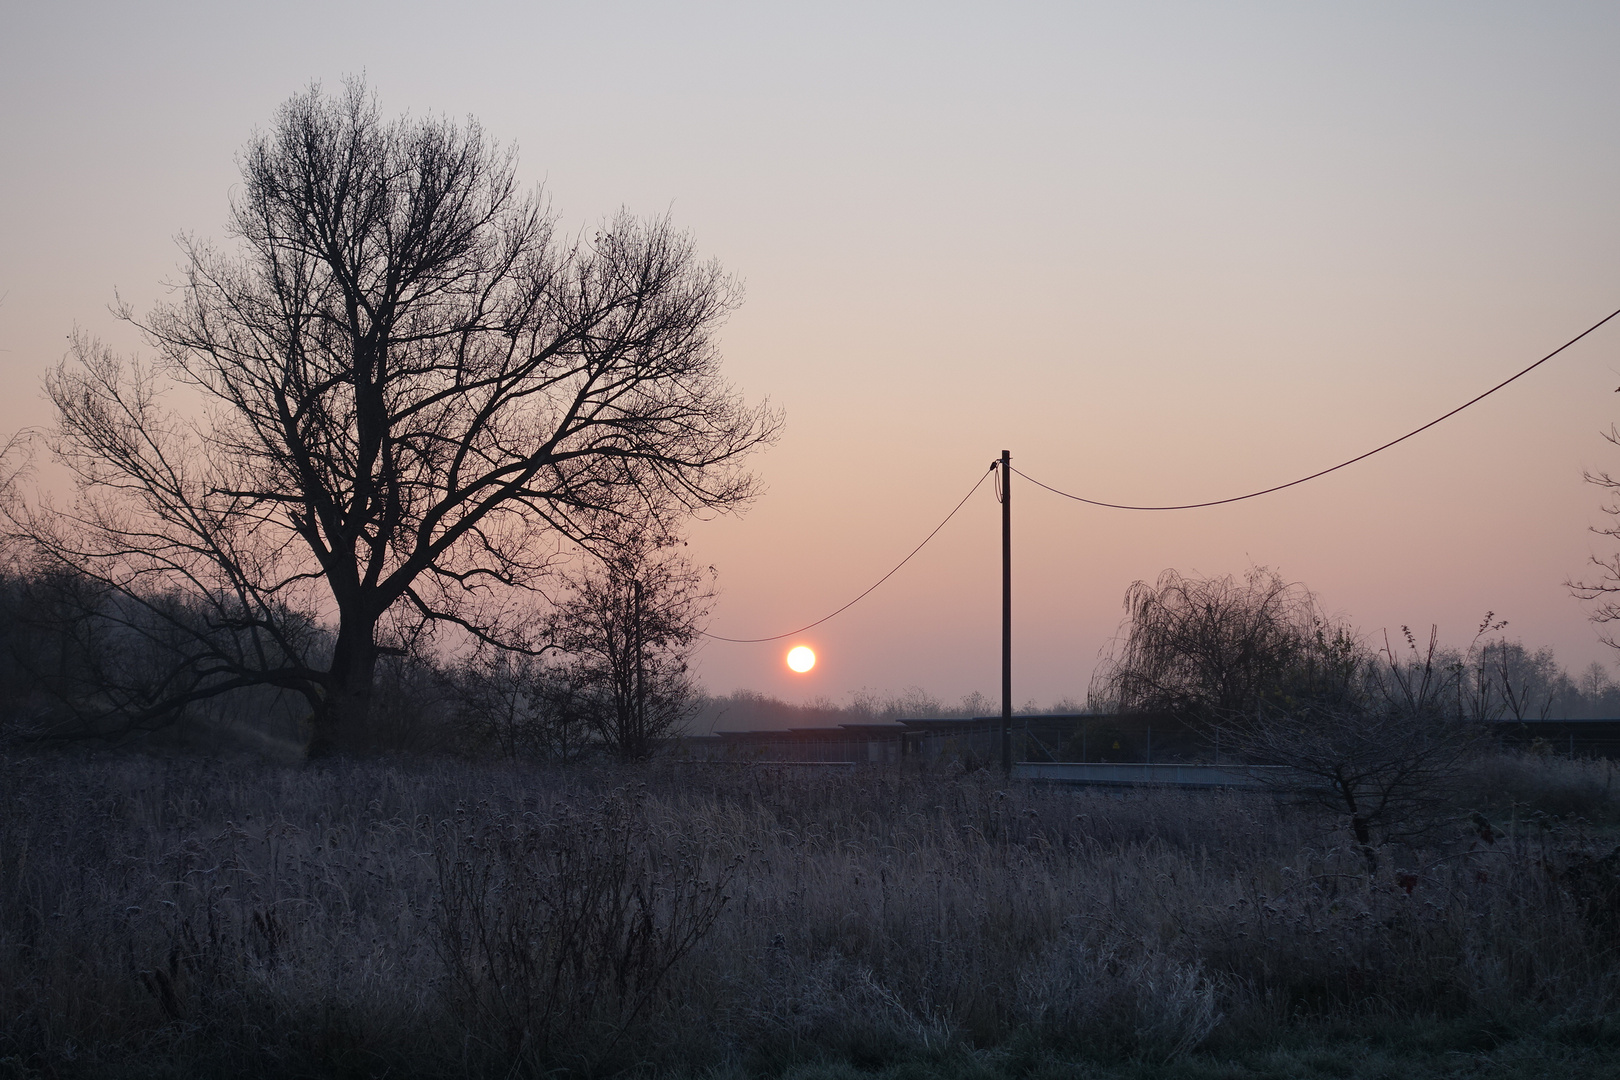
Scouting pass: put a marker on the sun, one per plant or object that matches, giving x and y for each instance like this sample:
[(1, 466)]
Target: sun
[(801, 659)]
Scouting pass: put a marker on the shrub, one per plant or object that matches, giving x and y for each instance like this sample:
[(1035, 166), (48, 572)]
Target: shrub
[(558, 930)]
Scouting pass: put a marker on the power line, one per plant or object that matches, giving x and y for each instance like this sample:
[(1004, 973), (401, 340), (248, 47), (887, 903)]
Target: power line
[(1342, 464), (1184, 506), (777, 637)]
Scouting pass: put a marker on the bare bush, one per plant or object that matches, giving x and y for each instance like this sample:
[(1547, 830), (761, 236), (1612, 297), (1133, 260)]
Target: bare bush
[(623, 634), (1376, 741), (558, 931), (523, 706)]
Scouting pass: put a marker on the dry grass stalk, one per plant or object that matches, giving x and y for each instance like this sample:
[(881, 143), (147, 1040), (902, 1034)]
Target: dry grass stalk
[(183, 917)]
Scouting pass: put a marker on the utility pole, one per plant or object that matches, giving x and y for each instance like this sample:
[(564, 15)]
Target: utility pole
[(1006, 613), (641, 670)]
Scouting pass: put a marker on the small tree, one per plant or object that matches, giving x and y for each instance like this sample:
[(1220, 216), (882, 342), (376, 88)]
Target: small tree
[(523, 705), (627, 629), (1598, 694), (1206, 648), (1527, 683), (1604, 591), (1373, 739)]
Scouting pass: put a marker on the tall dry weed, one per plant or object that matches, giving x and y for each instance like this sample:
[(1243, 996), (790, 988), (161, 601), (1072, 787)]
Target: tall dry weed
[(187, 917), (557, 930)]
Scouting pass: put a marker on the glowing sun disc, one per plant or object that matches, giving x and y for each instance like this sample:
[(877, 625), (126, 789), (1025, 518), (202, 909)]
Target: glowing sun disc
[(801, 659)]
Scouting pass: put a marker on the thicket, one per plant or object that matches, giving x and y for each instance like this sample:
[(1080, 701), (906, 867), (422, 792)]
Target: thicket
[(174, 916), (75, 663), (80, 662), (1214, 649)]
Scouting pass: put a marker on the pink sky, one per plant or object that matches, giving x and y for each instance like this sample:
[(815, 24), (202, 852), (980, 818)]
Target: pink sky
[(1159, 252)]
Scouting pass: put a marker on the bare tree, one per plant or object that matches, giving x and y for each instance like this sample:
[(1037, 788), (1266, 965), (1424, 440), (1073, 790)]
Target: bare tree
[(413, 392), (521, 705), (1206, 648), (627, 630), (1528, 683), (1372, 738), (1376, 740), (1604, 592), (1495, 679), (1597, 694)]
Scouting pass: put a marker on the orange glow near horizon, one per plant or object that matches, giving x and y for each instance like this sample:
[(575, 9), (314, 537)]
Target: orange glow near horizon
[(1384, 220)]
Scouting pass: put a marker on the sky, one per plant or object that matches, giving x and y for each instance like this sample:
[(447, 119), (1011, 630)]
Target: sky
[(1159, 252)]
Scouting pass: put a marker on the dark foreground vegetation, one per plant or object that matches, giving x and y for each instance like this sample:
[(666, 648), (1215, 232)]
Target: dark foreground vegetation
[(185, 917)]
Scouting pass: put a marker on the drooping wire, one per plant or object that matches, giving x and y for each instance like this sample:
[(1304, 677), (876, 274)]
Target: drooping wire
[(777, 637), (1342, 464)]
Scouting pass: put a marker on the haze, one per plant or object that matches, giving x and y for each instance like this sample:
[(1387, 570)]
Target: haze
[(1159, 252)]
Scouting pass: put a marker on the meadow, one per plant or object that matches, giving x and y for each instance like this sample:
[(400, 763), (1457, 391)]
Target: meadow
[(167, 916)]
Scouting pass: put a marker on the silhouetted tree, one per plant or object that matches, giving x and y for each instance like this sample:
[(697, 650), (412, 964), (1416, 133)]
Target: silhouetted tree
[(1596, 694), (627, 630), (1375, 739), (1528, 684), (521, 705), (411, 392), (1604, 592), (1206, 648)]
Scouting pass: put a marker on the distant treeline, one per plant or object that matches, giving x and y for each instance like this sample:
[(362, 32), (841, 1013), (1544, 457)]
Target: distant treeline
[(747, 710), (79, 660), (1551, 691), (1542, 689)]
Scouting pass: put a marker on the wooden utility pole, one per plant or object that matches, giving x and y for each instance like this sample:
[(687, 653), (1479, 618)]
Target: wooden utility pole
[(1006, 613), (641, 667)]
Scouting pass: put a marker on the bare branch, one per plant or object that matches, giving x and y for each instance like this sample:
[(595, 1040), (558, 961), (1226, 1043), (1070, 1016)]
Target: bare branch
[(415, 393)]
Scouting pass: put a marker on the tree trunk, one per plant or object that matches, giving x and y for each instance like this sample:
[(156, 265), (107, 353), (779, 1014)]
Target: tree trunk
[(343, 722), (1359, 826), (1364, 838)]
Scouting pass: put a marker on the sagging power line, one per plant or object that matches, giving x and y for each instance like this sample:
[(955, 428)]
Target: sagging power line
[(777, 637), (1342, 464)]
